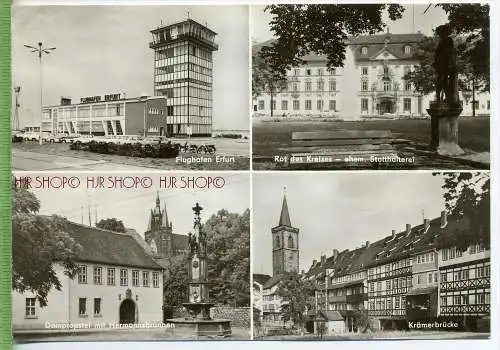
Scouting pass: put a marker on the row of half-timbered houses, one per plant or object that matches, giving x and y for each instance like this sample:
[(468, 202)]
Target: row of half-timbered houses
[(406, 276)]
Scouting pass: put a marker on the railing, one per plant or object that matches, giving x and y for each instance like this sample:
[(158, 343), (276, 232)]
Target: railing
[(356, 298), (211, 44), (337, 298)]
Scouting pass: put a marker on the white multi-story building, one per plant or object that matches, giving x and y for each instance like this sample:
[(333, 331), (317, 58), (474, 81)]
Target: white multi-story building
[(118, 283), (369, 85)]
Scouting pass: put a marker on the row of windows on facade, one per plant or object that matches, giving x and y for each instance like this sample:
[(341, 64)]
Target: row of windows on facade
[(184, 91), (387, 85), (323, 71), (385, 70), (452, 253), (469, 299), (406, 49), (101, 110), (196, 65), (352, 276), (181, 67), (98, 277), (384, 304), (406, 104), (271, 297), (377, 270), (464, 274), (318, 71), (31, 309), (343, 306), (396, 283), (180, 50), (430, 277), (346, 291)]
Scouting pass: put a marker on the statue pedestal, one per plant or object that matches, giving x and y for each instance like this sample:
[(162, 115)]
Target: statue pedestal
[(444, 128)]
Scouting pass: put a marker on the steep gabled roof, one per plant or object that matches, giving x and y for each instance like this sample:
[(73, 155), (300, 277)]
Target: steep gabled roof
[(273, 281), (261, 278), (374, 44), (108, 247)]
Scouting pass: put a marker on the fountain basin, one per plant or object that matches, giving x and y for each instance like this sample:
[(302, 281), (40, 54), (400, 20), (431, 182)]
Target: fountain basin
[(213, 328)]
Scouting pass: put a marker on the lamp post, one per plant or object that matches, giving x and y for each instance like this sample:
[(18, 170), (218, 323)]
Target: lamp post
[(40, 50), (15, 124)]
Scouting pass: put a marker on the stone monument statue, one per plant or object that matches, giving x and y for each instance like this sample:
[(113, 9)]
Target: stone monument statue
[(445, 65), (446, 107), (198, 306)]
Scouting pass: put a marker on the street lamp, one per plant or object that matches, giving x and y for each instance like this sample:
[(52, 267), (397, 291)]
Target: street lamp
[(15, 126), (39, 50)]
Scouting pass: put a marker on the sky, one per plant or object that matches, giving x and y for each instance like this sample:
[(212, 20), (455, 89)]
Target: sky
[(339, 210), (133, 206), (105, 49), (259, 21)]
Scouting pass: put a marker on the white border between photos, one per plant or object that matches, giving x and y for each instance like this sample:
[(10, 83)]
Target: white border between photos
[(492, 343)]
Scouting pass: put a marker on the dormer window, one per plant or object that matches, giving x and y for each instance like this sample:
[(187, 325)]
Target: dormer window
[(364, 50), (407, 49)]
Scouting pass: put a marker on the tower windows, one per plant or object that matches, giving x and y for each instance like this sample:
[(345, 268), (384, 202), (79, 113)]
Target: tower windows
[(290, 241), (277, 241)]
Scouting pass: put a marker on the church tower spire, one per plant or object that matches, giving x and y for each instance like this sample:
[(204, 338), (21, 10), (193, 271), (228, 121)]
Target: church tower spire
[(285, 216), (285, 243)]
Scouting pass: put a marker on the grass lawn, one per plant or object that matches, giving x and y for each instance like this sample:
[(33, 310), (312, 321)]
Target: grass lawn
[(474, 133)]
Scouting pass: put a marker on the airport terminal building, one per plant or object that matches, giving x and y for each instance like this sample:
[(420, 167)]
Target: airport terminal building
[(113, 114), (181, 103)]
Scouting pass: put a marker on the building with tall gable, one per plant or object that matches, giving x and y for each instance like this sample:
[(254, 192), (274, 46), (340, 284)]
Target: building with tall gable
[(118, 283)]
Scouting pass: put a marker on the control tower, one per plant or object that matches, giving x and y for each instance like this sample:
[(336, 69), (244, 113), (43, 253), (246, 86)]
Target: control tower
[(183, 68)]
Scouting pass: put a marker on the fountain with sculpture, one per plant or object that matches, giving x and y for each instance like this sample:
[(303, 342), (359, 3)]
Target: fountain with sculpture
[(198, 307), (446, 108)]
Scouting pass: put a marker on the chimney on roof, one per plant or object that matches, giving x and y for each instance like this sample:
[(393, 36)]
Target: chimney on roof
[(65, 101), (393, 234), (335, 254), (444, 219), (367, 244), (323, 259), (427, 224), (408, 229), (314, 262)]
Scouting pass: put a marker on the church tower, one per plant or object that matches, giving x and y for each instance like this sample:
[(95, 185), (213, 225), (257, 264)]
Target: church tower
[(159, 233), (285, 244)]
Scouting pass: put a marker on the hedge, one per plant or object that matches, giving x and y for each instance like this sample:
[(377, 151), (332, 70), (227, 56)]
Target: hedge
[(162, 150)]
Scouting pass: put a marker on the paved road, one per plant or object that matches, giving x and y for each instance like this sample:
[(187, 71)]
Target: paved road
[(23, 160)]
